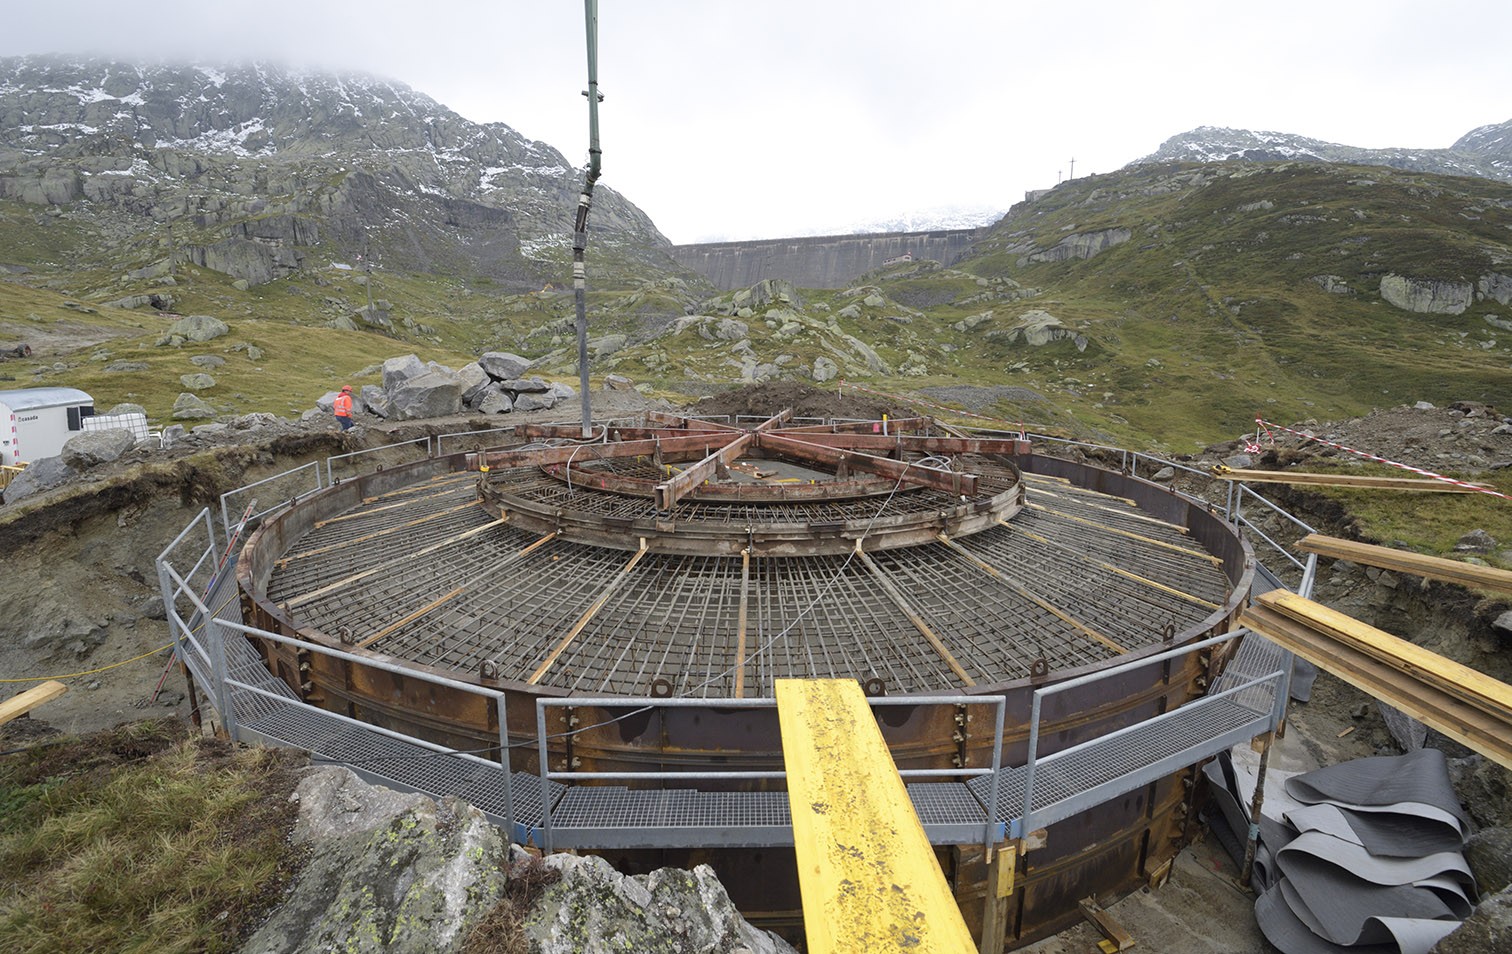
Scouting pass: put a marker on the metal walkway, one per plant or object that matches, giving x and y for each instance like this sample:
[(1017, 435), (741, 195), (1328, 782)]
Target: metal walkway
[(256, 706)]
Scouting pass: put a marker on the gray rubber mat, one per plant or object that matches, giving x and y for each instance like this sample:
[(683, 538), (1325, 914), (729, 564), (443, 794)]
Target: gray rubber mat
[(1281, 926), (1388, 834), (1342, 908), (1363, 857), (1420, 778)]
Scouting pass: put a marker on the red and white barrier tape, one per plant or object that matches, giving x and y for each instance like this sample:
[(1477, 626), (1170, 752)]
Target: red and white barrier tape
[(1263, 425)]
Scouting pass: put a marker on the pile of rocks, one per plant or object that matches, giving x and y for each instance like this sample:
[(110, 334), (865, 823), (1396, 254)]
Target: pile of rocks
[(494, 384)]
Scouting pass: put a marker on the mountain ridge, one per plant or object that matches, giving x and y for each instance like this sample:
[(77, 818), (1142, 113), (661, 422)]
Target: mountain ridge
[(1485, 151)]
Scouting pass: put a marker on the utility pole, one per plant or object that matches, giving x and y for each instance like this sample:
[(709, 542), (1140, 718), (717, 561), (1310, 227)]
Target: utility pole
[(1073, 168), (367, 265), (585, 200)]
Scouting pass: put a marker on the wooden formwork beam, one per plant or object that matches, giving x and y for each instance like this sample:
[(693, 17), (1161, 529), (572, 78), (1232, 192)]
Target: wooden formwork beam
[(1464, 704), (20, 704), (902, 471), (1364, 481), (1434, 568)]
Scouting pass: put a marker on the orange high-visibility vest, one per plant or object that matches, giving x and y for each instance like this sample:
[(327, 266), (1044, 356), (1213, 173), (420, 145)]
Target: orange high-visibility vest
[(343, 405)]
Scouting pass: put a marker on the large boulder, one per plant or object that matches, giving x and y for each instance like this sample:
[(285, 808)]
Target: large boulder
[(196, 328), (433, 394), (1038, 328), (495, 402), (39, 475), (501, 365), (388, 872), (595, 908), (398, 370), (376, 400), (533, 402), (475, 383), (1427, 296), (188, 407), (92, 448)]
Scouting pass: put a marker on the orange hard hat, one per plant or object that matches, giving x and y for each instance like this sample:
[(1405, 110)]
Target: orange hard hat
[(347, 387)]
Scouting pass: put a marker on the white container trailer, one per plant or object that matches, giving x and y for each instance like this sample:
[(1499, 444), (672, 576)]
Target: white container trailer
[(36, 422)]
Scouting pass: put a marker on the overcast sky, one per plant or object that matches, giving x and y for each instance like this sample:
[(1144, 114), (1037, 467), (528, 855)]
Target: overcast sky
[(768, 118)]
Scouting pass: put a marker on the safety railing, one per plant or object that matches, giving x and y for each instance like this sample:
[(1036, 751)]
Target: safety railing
[(991, 831), (441, 439), (263, 708), (283, 488), (387, 449), (1089, 795)]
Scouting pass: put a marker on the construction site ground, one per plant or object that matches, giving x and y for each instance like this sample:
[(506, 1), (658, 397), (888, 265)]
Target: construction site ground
[(78, 583)]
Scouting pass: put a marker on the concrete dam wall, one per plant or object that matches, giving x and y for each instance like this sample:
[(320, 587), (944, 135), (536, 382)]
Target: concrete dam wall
[(829, 261)]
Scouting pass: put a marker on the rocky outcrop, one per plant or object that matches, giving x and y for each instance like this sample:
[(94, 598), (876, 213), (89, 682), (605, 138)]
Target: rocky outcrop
[(595, 908), (1427, 296), (1495, 286), (1082, 245), (388, 871), (246, 160), (1038, 328)]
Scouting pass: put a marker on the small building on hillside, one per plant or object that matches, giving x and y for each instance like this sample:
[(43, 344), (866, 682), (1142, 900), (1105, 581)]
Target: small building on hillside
[(36, 422)]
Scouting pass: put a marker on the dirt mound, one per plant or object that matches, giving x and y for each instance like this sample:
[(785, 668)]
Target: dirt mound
[(1465, 437), (770, 397)]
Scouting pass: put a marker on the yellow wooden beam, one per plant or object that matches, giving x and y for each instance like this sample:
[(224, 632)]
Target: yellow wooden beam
[(1475, 687), (869, 877), (23, 702), (1440, 709), (1361, 481), (1434, 568)]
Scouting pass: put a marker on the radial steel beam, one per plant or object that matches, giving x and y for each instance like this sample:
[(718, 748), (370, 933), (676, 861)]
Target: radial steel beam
[(666, 495), (581, 453), (911, 443), (902, 471), (866, 427), (689, 423)]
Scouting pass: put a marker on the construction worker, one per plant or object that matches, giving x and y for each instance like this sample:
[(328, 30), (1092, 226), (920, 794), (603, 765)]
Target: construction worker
[(343, 407)]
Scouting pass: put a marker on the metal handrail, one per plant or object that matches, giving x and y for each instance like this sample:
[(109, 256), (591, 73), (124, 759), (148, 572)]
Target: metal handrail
[(331, 480), (1000, 703), (1033, 760), (314, 466)]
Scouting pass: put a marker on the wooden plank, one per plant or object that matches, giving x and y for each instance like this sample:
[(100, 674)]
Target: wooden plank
[(23, 702), (1478, 689), (869, 877), (1453, 717), (1434, 568), (1362, 481), (1103, 921)]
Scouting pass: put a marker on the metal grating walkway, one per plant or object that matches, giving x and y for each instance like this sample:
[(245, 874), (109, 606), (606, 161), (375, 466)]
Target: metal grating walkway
[(607, 817)]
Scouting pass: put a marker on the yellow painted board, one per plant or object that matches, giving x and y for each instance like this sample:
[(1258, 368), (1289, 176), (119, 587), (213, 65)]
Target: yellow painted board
[(24, 702), (869, 877)]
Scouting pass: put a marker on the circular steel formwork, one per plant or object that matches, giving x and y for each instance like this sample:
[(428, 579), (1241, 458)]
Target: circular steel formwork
[(684, 559)]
